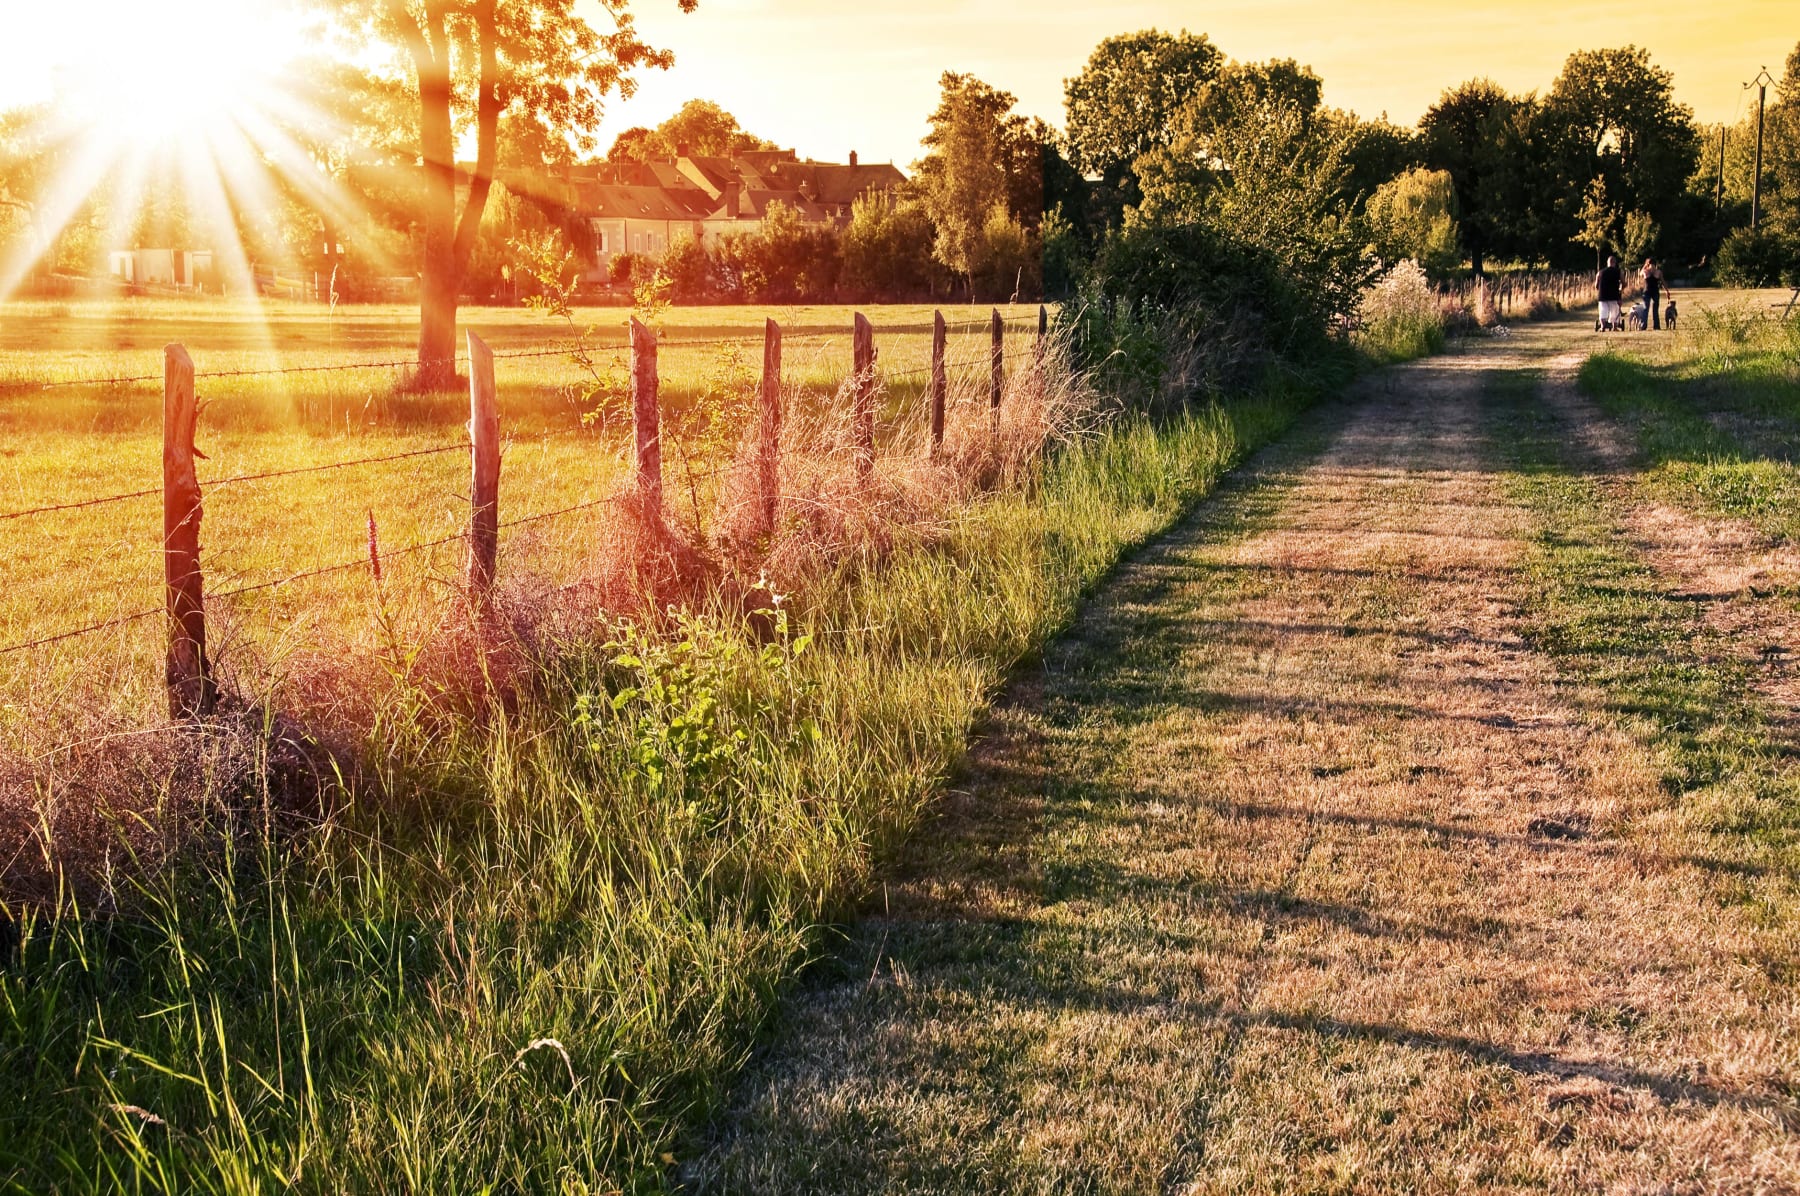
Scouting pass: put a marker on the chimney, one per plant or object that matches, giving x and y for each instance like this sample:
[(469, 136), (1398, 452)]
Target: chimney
[(731, 199), (853, 157)]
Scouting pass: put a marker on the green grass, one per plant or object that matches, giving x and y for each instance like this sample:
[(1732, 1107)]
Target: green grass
[(1716, 412), (527, 955), (1647, 661)]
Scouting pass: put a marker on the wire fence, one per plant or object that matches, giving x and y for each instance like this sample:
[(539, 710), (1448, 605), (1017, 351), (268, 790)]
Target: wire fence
[(573, 350), (375, 556)]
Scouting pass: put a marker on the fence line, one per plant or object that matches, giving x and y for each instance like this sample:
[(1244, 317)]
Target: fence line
[(188, 674), (570, 350)]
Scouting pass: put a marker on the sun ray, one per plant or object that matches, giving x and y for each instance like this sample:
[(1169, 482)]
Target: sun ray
[(210, 145)]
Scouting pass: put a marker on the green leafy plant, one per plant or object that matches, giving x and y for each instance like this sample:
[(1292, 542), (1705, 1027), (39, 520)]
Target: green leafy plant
[(683, 700)]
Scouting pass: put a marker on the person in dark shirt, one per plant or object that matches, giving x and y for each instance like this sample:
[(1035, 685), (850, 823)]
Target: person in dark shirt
[(1653, 288), (1611, 285)]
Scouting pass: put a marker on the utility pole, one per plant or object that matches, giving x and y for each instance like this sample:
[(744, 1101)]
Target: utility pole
[(1761, 83), (1719, 191)]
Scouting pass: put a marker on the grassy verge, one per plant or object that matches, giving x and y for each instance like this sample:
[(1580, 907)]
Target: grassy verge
[(1715, 411), (530, 968), (1648, 662)]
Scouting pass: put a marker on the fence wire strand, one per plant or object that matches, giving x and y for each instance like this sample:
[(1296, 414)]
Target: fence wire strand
[(570, 350), (366, 560)]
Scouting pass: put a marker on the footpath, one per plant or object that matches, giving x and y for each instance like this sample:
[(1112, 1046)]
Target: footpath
[(1297, 866)]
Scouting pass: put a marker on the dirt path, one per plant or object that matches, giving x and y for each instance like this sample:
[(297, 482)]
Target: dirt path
[(1292, 871)]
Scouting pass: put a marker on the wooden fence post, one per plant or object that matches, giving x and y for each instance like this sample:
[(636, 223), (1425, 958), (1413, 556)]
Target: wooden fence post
[(484, 479), (863, 426), (768, 447), (644, 418), (940, 381), (1043, 335), (996, 368), (187, 674)]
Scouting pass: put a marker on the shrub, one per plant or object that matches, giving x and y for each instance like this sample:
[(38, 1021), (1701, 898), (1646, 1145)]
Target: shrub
[(1755, 258), (1230, 307), (1402, 317)]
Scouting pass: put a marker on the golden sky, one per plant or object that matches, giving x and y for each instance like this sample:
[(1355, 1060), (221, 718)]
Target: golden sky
[(829, 76)]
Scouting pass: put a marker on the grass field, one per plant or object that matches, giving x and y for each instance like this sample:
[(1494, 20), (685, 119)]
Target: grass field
[(1714, 407), (62, 441)]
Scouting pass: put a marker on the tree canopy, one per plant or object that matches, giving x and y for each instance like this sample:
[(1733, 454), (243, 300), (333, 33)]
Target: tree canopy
[(1125, 101), (981, 180), (1612, 115), (699, 127)]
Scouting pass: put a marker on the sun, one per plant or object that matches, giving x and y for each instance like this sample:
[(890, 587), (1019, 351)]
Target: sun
[(168, 72), (185, 120)]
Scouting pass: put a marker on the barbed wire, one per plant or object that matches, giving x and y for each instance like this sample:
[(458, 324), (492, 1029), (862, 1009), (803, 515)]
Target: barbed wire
[(88, 630), (983, 360), (569, 350), (242, 477), (361, 561)]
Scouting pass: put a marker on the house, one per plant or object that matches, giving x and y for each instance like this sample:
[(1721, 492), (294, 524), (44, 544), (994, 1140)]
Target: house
[(161, 267), (644, 207)]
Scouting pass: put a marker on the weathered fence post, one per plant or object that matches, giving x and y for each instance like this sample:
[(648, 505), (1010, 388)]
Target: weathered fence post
[(768, 431), (996, 370), (187, 673), (644, 418), (940, 381), (484, 466), (863, 427), (1043, 336)]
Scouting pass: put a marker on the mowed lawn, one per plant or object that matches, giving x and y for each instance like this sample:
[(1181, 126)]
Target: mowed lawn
[(69, 433)]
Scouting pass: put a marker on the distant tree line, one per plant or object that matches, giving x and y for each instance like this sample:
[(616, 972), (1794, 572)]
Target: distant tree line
[(1162, 130)]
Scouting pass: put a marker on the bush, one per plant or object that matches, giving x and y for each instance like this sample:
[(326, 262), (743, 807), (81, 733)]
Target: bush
[(1401, 316), (1756, 258), (1230, 307)]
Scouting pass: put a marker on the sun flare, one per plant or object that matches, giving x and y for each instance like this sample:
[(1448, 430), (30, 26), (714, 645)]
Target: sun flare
[(179, 119), (154, 73)]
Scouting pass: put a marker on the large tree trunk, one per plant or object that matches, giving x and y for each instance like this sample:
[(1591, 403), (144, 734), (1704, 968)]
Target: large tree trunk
[(448, 240)]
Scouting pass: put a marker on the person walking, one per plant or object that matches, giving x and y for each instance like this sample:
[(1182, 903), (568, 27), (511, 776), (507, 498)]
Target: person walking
[(1653, 289), (1610, 283)]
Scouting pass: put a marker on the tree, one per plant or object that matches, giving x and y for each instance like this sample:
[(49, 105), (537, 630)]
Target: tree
[(1413, 215), (1375, 151), (1265, 174), (1125, 101), (1599, 219), (699, 127), (470, 62), (1612, 115), (1467, 134), (981, 156), (887, 249)]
